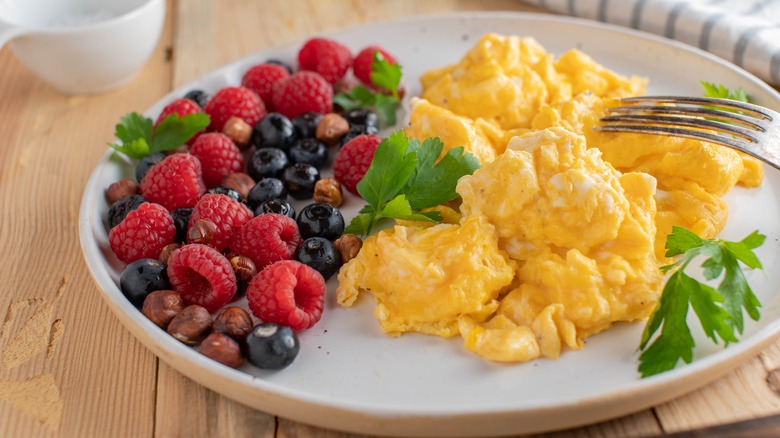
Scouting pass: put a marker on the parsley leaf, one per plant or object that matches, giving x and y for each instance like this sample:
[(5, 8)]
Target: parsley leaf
[(405, 177), (386, 77), (719, 310), (722, 92), (139, 137)]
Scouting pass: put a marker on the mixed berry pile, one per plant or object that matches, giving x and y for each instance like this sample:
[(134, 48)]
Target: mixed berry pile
[(213, 219)]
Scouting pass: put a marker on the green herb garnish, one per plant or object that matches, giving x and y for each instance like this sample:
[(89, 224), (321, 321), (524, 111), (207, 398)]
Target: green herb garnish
[(722, 92), (387, 78), (140, 137), (720, 310), (405, 177)]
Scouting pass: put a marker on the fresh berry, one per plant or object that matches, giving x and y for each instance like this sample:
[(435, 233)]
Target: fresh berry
[(234, 102), (174, 182), (119, 209), (289, 293), (306, 124), (267, 162), (272, 346), (143, 233), (303, 92), (276, 205), (320, 254), (309, 151), (202, 275), (227, 214), (261, 79), (264, 190), (146, 163), (198, 96), (300, 179), (227, 191), (218, 156), (280, 62), (362, 116), (274, 131), (321, 220), (181, 218), (142, 277), (267, 238), (327, 57), (353, 160), (361, 67), (181, 107), (356, 130)]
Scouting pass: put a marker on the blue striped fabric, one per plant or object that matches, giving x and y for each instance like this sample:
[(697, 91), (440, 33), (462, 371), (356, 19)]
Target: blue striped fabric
[(745, 32)]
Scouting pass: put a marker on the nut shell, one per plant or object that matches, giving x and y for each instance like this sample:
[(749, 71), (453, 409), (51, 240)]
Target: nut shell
[(331, 128), (162, 306), (202, 232), (121, 189), (328, 190), (348, 245), (240, 182), (234, 322), (223, 349), (238, 130), (191, 325)]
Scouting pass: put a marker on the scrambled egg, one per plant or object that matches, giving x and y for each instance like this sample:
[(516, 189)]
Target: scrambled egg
[(560, 233)]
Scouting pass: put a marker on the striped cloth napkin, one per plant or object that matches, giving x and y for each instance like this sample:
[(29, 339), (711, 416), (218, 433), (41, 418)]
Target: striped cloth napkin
[(745, 32)]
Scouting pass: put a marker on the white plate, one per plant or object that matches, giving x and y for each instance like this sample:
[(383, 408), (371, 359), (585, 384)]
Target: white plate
[(350, 376)]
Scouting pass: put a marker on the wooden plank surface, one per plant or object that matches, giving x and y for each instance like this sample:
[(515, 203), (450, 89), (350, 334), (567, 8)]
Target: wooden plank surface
[(67, 366)]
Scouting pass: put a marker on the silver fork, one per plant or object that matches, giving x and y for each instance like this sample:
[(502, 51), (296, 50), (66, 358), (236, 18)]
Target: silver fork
[(754, 130)]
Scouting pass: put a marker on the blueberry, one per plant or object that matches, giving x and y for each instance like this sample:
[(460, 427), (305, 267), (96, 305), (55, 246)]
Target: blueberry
[(146, 163), (356, 130), (276, 205), (119, 209), (300, 179), (141, 278), (362, 116), (181, 218), (309, 151), (267, 162), (198, 96), (227, 191), (306, 124), (320, 254), (321, 220), (264, 190), (272, 346), (274, 131), (280, 62)]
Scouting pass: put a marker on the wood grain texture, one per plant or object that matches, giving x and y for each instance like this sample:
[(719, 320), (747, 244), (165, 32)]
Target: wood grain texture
[(80, 356)]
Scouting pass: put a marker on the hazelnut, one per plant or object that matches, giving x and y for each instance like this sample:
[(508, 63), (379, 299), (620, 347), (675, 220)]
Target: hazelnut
[(167, 250), (331, 128), (328, 190), (244, 267), (161, 306), (240, 182), (348, 245), (121, 189), (191, 325), (223, 349), (202, 231), (238, 130), (234, 322)]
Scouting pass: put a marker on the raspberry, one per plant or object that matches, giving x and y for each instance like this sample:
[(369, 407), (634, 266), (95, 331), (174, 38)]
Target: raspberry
[(227, 214), (327, 57), (353, 160), (174, 182), (182, 107), (234, 102), (289, 293), (361, 67), (303, 92), (202, 276), (267, 238), (142, 234), (218, 156), (262, 78)]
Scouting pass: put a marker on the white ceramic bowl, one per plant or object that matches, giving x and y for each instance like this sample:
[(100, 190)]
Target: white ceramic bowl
[(82, 46)]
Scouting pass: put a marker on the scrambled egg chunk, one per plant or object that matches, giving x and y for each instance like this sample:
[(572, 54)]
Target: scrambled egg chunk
[(424, 279)]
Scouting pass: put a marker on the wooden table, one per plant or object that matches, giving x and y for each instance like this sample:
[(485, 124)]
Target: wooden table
[(67, 366)]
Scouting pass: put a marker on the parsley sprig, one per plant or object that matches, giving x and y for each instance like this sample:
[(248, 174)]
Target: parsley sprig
[(405, 177), (387, 78), (140, 137), (720, 310), (720, 91)]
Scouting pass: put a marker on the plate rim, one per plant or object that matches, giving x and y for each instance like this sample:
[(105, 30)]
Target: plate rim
[(173, 353)]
